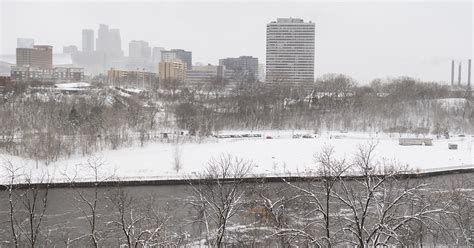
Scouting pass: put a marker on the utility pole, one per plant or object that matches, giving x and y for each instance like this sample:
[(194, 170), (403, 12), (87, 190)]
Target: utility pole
[(143, 81), (469, 90)]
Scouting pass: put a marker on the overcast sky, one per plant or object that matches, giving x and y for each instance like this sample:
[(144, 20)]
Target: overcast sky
[(362, 39)]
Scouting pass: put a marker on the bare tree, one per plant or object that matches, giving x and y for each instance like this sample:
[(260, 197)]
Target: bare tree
[(318, 193), (140, 225), (12, 174), (377, 206), (217, 194), (177, 163), (28, 201), (89, 203)]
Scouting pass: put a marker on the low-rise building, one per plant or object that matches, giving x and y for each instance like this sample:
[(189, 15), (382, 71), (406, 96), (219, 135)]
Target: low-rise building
[(30, 73), (172, 70), (245, 66), (5, 80), (206, 73), (126, 77)]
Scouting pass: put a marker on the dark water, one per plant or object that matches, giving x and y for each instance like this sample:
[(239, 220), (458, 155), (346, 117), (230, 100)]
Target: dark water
[(64, 218)]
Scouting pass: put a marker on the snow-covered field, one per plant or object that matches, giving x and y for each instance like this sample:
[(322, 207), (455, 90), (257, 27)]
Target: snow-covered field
[(281, 154)]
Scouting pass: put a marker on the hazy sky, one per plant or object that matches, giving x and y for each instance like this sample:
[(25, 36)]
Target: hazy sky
[(361, 39)]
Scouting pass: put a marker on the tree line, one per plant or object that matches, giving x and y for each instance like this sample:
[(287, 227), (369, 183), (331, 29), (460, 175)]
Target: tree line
[(44, 125)]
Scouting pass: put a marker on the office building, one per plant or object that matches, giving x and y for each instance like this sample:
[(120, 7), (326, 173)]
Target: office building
[(156, 55), (290, 51), (109, 42), (172, 70), (261, 72), (70, 49), (246, 66), (205, 74), (178, 54), (139, 49), (102, 40), (28, 73), (87, 40), (115, 43), (130, 77), (25, 43), (38, 56)]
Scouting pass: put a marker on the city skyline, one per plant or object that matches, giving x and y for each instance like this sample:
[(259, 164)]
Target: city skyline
[(345, 42)]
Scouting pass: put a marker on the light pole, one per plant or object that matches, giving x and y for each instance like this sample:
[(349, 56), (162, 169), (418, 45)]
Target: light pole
[(143, 81)]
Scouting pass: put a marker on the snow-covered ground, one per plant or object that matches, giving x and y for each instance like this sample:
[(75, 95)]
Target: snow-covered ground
[(281, 154)]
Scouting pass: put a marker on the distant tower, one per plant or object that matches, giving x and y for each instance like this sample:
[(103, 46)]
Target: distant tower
[(459, 74), (102, 41), (87, 40), (452, 73)]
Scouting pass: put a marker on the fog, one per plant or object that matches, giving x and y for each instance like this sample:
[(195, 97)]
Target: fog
[(360, 39)]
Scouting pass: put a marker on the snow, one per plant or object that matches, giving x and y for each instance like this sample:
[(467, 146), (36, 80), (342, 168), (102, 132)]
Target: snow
[(79, 86), (452, 103), (73, 85), (280, 155)]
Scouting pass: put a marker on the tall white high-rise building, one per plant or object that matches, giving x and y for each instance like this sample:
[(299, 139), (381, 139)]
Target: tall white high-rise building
[(290, 51)]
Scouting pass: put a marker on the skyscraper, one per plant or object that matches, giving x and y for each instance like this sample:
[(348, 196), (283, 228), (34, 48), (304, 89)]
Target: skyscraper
[(25, 42), (139, 49), (290, 51), (102, 40), (178, 54), (87, 40), (115, 43)]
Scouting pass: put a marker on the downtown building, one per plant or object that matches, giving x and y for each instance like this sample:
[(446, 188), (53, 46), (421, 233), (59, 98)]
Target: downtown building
[(290, 52), (88, 40), (56, 74), (134, 78), (99, 52), (172, 70), (244, 66), (38, 56), (178, 54), (204, 74)]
